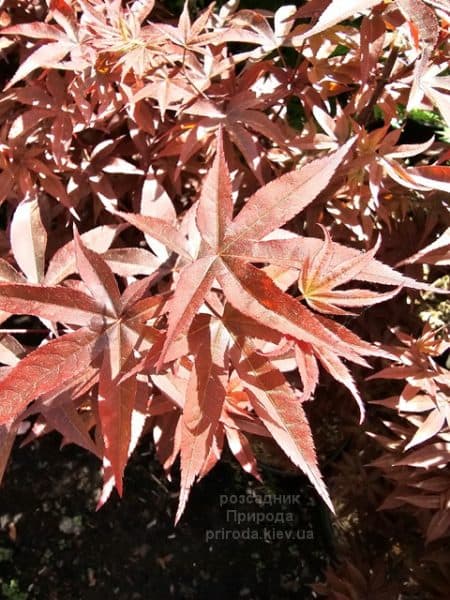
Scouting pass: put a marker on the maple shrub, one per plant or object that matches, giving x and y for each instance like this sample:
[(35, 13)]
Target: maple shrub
[(197, 207)]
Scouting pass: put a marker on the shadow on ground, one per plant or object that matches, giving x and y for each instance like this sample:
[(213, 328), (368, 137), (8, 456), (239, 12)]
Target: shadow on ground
[(54, 545)]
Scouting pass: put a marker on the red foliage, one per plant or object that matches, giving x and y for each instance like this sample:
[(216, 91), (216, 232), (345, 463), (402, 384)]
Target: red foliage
[(121, 121)]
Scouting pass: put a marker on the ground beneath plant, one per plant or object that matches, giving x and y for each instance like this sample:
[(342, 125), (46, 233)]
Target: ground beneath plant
[(54, 545)]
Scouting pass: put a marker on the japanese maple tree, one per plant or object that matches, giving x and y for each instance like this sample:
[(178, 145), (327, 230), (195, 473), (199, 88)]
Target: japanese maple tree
[(193, 254)]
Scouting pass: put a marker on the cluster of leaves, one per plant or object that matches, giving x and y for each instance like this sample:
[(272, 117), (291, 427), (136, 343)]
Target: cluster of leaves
[(392, 529), (422, 480), (160, 217)]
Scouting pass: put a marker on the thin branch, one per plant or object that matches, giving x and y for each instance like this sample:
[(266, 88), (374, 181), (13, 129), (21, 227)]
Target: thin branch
[(366, 113)]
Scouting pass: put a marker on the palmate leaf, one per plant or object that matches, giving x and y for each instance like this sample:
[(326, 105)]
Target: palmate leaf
[(271, 207), (113, 326), (318, 279), (116, 399)]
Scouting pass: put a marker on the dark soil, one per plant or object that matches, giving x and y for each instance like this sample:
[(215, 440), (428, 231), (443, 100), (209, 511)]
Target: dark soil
[(55, 546)]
